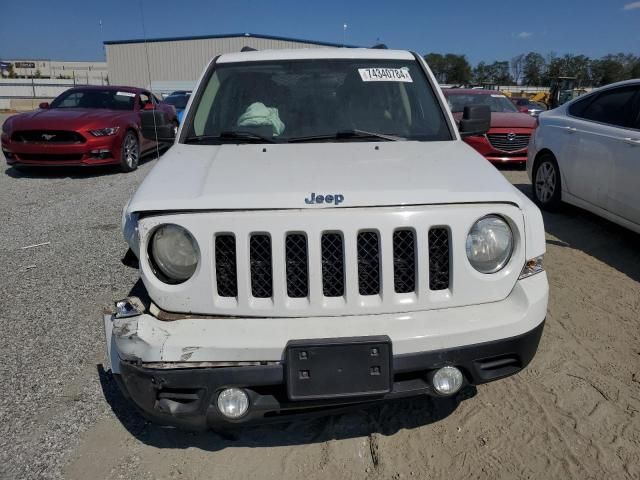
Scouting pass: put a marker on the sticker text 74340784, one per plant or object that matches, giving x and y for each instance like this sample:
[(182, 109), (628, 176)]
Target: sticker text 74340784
[(385, 75)]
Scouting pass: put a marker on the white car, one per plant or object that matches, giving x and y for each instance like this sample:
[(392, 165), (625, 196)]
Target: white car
[(587, 153), (320, 236)]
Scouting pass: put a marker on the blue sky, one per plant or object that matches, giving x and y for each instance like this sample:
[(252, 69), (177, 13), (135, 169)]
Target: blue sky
[(69, 29)]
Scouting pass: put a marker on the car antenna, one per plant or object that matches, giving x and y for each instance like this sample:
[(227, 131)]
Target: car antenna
[(247, 48), (380, 46), (146, 52)]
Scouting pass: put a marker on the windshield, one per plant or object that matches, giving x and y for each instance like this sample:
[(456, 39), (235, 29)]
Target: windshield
[(317, 100), (178, 101), (95, 98), (497, 102)]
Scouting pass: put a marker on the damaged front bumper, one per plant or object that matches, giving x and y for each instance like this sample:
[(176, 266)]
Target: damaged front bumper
[(173, 369)]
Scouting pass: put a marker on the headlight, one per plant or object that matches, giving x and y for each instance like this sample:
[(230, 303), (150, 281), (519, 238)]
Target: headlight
[(174, 253), (489, 244), (104, 132), (5, 127)]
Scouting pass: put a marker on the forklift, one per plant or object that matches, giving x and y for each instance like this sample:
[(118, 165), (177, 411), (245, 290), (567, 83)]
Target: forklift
[(562, 90)]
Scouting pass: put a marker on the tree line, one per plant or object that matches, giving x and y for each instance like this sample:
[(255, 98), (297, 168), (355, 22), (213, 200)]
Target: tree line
[(535, 69)]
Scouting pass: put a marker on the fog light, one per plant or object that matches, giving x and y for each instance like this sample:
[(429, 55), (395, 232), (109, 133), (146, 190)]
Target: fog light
[(101, 154), (233, 403), (447, 380)]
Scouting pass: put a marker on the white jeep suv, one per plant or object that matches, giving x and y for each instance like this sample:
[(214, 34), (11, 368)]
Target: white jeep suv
[(320, 236)]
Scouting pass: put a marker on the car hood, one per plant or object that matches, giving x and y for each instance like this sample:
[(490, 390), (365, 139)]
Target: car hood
[(507, 120), (243, 177), (65, 119)]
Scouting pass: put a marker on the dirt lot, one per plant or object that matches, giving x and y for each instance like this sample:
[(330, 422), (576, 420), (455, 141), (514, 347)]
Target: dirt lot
[(574, 413)]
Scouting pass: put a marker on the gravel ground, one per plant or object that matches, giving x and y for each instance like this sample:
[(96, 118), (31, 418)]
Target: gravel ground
[(572, 414)]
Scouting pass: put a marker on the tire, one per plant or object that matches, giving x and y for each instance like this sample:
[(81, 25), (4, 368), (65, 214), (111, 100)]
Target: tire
[(547, 185), (129, 152)]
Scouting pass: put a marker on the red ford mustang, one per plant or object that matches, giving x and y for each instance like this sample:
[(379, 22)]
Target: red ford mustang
[(86, 125), (508, 138)]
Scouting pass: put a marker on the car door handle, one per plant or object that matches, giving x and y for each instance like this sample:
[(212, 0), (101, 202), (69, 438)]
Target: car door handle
[(632, 141), (570, 129)]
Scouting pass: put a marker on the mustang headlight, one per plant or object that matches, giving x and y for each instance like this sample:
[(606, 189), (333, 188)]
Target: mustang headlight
[(489, 244), (104, 132), (174, 253)]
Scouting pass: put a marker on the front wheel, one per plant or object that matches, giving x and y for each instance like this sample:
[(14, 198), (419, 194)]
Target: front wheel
[(546, 183), (130, 152)]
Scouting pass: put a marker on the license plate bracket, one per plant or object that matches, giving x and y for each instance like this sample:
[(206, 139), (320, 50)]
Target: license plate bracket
[(321, 369)]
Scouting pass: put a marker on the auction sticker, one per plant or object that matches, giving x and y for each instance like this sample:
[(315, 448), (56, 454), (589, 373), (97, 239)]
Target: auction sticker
[(126, 94), (385, 75)]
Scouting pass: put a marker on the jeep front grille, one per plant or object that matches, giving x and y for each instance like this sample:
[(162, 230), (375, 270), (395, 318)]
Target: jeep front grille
[(226, 277), (332, 265), (261, 268), (439, 264), (405, 262), (297, 271), (368, 263)]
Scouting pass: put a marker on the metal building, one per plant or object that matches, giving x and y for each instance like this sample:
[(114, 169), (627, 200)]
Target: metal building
[(182, 59)]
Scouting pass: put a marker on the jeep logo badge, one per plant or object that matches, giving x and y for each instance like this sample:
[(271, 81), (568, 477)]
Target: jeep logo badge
[(335, 198)]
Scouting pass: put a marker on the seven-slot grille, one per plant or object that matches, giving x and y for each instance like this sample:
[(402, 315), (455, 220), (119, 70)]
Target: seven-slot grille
[(508, 142), (406, 258)]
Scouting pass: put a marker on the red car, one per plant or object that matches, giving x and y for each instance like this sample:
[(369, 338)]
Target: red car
[(84, 126), (508, 138)]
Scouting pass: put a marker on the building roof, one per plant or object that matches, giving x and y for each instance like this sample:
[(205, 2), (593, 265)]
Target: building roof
[(227, 35), (315, 53)]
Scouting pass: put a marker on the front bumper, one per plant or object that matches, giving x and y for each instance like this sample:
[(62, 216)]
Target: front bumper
[(154, 360), (79, 154), (186, 398)]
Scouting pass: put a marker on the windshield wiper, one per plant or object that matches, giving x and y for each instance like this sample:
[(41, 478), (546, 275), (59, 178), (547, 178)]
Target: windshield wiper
[(230, 135), (347, 134)]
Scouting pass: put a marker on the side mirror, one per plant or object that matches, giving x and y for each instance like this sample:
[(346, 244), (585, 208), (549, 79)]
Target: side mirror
[(44, 105), (476, 120), (149, 106), (155, 124)]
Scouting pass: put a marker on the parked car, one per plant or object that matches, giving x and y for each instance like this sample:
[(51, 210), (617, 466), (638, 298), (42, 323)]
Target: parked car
[(320, 235), (587, 153), (88, 125), (507, 140), (526, 105), (179, 101)]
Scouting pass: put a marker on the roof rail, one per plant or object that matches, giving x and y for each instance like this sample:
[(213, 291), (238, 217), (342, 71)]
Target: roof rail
[(380, 46), (246, 48)]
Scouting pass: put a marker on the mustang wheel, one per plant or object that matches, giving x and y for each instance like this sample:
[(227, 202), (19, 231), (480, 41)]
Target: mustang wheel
[(546, 183), (130, 152)]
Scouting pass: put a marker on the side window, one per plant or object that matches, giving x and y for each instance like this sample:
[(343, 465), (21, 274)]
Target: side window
[(635, 111), (612, 107), (144, 99), (72, 100)]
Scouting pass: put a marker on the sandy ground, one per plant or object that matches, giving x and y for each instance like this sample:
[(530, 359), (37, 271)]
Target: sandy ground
[(573, 413)]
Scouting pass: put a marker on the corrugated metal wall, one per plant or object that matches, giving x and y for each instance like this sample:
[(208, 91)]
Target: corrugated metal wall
[(178, 60)]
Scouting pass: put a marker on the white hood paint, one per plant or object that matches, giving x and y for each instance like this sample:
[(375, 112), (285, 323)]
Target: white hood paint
[(367, 174)]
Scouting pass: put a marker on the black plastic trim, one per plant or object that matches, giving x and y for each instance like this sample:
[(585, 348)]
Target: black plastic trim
[(265, 384)]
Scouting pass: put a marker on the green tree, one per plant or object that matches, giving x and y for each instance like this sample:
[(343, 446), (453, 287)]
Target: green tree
[(437, 65), (534, 68), (449, 68)]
